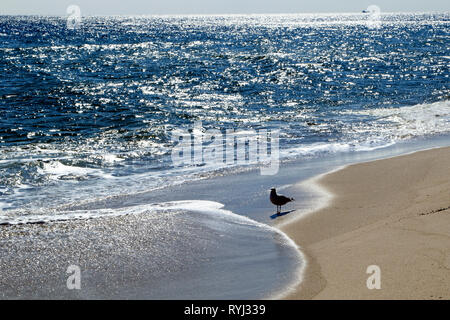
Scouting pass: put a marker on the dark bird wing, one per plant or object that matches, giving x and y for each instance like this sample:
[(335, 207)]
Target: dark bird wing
[(283, 198), (279, 200)]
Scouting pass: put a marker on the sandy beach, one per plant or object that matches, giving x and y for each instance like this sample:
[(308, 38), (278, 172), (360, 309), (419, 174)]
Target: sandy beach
[(393, 213)]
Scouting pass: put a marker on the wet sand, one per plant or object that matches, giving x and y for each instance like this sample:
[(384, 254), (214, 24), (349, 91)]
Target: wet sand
[(393, 213)]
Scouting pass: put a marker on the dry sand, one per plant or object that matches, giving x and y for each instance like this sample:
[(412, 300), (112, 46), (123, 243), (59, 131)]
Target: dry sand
[(393, 213)]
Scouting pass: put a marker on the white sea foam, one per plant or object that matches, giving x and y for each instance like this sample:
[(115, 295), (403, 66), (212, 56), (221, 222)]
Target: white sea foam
[(55, 170), (388, 127), (334, 147), (410, 121), (111, 158), (3, 205)]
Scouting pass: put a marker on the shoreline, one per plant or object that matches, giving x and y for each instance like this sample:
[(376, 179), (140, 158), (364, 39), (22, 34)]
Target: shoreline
[(396, 216)]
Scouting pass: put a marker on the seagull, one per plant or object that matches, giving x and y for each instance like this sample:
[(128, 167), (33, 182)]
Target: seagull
[(278, 200)]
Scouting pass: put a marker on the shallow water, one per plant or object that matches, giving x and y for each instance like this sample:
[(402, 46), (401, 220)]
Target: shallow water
[(176, 250)]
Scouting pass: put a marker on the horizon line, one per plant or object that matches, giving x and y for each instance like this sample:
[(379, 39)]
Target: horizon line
[(221, 14)]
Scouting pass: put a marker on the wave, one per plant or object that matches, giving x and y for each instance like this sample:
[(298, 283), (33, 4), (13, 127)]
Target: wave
[(55, 170), (381, 128), (411, 121)]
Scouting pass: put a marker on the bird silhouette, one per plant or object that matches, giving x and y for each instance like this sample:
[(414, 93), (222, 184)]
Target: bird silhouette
[(278, 199)]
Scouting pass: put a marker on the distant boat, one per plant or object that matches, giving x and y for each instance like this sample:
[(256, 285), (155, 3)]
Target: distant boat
[(365, 11)]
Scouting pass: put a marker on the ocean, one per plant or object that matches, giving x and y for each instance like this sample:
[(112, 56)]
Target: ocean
[(87, 118)]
